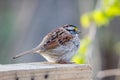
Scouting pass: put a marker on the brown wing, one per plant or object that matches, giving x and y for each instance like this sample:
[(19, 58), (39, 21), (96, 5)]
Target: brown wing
[(56, 38)]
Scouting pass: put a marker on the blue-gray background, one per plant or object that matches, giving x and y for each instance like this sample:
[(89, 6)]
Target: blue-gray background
[(23, 24)]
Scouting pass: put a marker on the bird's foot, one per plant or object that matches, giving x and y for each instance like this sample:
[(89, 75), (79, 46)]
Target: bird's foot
[(64, 62)]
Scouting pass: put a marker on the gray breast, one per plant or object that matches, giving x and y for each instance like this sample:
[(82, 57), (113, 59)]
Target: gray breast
[(63, 52)]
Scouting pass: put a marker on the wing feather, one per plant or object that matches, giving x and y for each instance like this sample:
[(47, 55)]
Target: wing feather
[(56, 38)]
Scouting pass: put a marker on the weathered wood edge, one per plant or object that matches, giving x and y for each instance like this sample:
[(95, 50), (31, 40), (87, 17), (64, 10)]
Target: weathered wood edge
[(39, 71)]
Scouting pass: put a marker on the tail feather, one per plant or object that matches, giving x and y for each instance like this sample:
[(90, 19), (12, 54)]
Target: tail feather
[(34, 50)]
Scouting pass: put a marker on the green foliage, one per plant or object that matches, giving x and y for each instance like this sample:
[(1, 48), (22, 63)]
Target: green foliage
[(109, 9), (81, 55), (85, 20)]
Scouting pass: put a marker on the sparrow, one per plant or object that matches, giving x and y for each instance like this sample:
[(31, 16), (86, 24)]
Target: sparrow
[(59, 46)]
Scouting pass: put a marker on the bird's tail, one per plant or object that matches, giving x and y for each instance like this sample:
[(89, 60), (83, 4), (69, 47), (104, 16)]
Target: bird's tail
[(34, 50)]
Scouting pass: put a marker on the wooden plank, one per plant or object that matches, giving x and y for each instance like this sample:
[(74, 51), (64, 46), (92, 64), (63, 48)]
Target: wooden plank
[(43, 71)]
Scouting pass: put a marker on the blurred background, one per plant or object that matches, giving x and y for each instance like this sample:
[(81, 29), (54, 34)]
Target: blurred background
[(24, 23)]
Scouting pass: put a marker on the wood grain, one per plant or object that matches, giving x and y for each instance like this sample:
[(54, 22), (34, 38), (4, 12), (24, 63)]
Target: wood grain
[(45, 71)]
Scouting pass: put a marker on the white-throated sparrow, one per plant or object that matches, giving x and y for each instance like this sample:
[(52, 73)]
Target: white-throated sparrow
[(59, 46)]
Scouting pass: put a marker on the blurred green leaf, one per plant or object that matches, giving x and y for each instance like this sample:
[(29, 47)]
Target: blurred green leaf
[(113, 11), (108, 10), (85, 20), (80, 57), (99, 18)]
